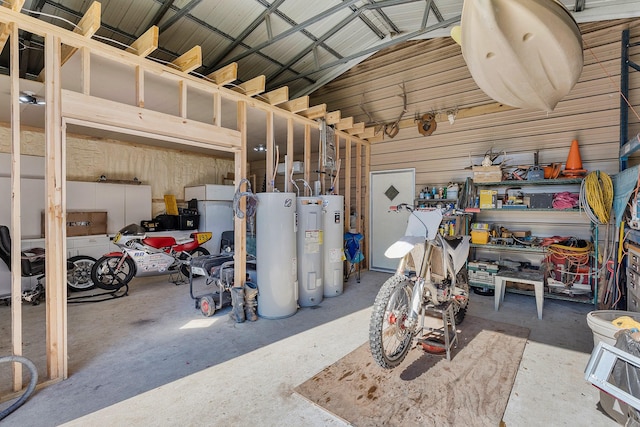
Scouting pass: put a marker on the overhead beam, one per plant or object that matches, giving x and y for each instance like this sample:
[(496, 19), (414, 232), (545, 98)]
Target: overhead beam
[(277, 96), (315, 112), (88, 26), (369, 132), (296, 105), (357, 128), (344, 124), (146, 43), (190, 60), (251, 87), (5, 31), (332, 117), (225, 75)]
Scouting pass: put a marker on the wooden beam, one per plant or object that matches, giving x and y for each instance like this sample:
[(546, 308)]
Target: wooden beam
[(87, 27), (270, 158), (315, 112), (347, 183), (375, 139), (240, 224), (251, 87), (369, 132), (5, 31), (307, 155), (332, 117), (189, 60), (290, 155), (357, 128), (296, 105), (277, 96), (146, 43), (225, 75), (344, 124)]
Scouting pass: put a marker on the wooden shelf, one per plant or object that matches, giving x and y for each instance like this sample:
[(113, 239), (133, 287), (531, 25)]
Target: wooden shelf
[(516, 183), (509, 248)]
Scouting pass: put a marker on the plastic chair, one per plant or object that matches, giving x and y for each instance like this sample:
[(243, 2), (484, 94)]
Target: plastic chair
[(353, 254)]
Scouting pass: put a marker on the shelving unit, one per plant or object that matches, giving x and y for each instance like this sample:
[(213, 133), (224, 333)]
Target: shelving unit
[(555, 222)]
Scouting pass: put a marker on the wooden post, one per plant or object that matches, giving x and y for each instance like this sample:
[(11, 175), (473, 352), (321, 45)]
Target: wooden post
[(240, 224), (85, 74), (347, 182), (367, 202), (139, 86), (16, 228), (271, 155), (359, 186), (307, 155), (289, 169), (55, 218)]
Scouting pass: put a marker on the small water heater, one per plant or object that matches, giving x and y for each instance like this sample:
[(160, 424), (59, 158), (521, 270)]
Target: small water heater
[(333, 245), (310, 243)]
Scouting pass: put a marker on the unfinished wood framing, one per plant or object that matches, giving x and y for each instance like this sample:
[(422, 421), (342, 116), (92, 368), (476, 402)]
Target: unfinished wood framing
[(315, 112), (277, 96), (307, 154), (146, 43), (240, 224), (345, 123), (271, 155), (252, 87), (81, 108), (332, 117), (347, 180)]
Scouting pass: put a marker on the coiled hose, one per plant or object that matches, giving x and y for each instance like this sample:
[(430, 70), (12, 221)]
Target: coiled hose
[(32, 384)]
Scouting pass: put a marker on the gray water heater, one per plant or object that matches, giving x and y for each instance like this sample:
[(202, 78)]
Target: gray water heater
[(333, 245), (310, 238)]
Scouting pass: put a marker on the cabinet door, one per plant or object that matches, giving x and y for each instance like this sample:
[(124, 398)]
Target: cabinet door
[(93, 246), (81, 195), (110, 198), (137, 203)]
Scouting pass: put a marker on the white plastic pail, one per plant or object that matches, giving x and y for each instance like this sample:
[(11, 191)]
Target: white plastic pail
[(600, 323)]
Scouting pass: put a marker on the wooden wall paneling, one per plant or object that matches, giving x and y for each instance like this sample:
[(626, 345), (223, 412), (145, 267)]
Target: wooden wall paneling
[(55, 222), (16, 231)]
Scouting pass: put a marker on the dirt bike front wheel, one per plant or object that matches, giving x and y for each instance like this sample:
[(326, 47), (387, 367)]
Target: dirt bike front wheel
[(389, 338), (106, 274), (79, 273), (461, 297), (185, 268)]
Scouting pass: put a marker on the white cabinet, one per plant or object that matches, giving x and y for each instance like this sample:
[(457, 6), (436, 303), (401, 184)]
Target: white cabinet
[(93, 246), (32, 203), (137, 204)]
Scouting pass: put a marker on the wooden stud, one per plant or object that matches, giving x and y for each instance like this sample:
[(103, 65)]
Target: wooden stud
[(217, 109), (296, 105), (146, 43), (367, 201), (277, 96), (290, 154), (85, 73), (225, 75), (347, 182), (5, 31), (315, 112), (359, 185), (189, 60), (307, 154), (182, 99), (88, 26), (357, 128), (251, 87), (271, 156), (332, 117), (346, 123), (139, 87), (16, 230), (240, 224)]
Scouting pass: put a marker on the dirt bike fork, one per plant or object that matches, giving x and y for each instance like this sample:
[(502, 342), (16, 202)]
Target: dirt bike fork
[(416, 301)]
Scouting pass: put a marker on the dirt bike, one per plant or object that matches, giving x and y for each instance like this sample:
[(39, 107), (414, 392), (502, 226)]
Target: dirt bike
[(145, 256), (430, 274)]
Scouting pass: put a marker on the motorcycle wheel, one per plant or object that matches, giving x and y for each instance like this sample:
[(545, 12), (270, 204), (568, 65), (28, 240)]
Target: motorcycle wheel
[(389, 339), (105, 275), (79, 273), (185, 269), (461, 296)]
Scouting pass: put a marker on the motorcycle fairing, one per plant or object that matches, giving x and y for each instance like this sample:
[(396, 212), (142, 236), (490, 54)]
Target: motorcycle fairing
[(403, 246), (185, 247)]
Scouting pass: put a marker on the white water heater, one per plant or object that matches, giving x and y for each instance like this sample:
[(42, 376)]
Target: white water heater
[(276, 255), (310, 238), (333, 245)]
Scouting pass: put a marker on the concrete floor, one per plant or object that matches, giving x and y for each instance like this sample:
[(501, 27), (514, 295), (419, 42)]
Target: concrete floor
[(152, 358)]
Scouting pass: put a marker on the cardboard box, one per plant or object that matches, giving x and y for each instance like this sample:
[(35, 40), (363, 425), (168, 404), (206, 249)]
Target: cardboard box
[(488, 199), (83, 223), (487, 173)]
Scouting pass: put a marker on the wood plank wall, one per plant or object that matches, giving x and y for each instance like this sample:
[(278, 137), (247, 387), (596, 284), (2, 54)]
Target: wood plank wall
[(437, 79)]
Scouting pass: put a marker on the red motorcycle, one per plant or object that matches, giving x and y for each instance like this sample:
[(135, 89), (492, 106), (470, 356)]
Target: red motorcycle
[(145, 256)]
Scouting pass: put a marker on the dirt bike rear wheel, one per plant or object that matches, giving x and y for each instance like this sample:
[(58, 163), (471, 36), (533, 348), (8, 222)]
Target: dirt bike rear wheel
[(185, 269), (461, 297), (389, 339), (106, 274), (79, 273)]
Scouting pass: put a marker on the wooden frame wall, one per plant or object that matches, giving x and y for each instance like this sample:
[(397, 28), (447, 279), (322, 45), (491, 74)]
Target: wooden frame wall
[(65, 106)]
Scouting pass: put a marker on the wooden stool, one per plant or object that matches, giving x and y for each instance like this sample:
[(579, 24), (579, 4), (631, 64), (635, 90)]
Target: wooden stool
[(447, 333)]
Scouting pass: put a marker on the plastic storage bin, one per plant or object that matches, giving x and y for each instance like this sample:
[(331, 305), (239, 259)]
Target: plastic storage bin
[(600, 323)]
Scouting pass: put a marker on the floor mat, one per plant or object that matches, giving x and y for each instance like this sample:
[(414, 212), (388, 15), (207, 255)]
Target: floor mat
[(426, 389)]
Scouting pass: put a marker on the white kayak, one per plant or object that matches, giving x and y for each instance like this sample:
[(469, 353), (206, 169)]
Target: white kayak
[(523, 53)]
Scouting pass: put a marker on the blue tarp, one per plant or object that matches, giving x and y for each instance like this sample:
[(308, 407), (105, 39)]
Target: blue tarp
[(624, 184)]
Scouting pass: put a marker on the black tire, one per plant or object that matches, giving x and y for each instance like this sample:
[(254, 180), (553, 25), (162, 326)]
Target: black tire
[(389, 340), (79, 273), (105, 275), (185, 269), (461, 296)]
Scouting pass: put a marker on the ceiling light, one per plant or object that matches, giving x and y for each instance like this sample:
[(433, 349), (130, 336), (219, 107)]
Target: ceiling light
[(30, 98), (260, 148)]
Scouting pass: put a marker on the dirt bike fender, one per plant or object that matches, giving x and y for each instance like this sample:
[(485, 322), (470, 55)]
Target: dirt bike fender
[(402, 246)]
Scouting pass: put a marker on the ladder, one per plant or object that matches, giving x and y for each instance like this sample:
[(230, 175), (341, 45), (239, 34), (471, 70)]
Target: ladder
[(598, 371)]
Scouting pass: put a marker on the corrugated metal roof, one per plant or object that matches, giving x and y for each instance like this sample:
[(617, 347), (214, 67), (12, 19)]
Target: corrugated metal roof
[(299, 43)]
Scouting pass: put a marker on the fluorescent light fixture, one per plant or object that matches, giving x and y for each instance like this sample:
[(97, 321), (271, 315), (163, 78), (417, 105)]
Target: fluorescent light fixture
[(260, 148), (30, 98)]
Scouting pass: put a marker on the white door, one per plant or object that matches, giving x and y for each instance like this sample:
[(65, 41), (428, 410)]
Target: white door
[(388, 188)]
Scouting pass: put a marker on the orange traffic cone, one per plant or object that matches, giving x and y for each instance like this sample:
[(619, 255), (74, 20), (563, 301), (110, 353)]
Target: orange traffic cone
[(573, 167)]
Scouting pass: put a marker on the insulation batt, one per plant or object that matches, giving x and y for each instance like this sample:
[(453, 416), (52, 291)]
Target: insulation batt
[(523, 53)]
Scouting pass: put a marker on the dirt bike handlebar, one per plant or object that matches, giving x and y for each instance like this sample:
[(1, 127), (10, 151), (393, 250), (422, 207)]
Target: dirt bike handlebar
[(401, 206)]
